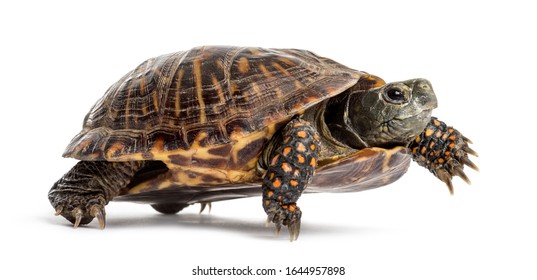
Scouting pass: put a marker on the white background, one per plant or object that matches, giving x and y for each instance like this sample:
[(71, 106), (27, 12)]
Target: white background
[(58, 57)]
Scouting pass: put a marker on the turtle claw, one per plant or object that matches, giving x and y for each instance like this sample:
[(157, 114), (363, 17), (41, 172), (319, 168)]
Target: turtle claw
[(59, 210), (459, 172), (80, 217), (467, 140), (205, 204), (283, 215), (469, 150), (294, 231), (461, 153), (97, 211), (455, 167), (77, 213), (466, 161), (271, 218), (445, 177), (79, 209), (277, 229)]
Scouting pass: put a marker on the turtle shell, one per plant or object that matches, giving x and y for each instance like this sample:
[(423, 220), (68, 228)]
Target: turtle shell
[(215, 100)]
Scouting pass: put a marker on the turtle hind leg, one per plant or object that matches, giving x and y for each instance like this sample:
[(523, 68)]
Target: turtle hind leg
[(169, 208), (81, 194), (290, 169), (444, 151)]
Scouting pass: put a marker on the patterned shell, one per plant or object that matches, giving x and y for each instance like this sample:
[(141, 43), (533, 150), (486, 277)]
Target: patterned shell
[(204, 97)]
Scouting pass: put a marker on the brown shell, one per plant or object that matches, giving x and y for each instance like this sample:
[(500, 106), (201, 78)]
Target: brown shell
[(205, 97)]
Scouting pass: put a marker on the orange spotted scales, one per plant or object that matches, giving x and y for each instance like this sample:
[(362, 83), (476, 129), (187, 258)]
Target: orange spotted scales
[(215, 123)]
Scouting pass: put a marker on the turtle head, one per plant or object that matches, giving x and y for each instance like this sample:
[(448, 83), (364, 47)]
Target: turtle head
[(392, 114)]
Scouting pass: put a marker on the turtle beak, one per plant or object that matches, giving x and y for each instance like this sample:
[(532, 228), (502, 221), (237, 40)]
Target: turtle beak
[(423, 95)]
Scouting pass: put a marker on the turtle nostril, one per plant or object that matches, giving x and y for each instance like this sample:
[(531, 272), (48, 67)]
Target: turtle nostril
[(422, 99), (422, 84), (426, 99)]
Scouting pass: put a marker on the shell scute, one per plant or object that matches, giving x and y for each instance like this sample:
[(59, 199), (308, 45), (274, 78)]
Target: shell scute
[(205, 96), (166, 140)]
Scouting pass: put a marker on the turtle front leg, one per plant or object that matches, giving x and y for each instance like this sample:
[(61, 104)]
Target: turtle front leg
[(291, 168), (444, 151), (81, 194)]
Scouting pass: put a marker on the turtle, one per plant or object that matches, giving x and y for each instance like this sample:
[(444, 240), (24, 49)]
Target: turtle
[(223, 122)]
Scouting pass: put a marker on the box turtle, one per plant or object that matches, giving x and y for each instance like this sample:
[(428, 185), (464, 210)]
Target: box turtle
[(216, 123)]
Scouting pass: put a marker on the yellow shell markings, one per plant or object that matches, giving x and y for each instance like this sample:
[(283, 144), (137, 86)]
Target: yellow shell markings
[(199, 89), (281, 68), (244, 65), (256, 89), (220, 64), (386, 162), (254, 51), (177, 104), (186, 175), (265, 71), (118, 146), (388, 156), (127, 107), (141, 79), (83, 145), (219, 90), (362, 155), (279, 93), (155, 97), (298, 84), (286, 61)]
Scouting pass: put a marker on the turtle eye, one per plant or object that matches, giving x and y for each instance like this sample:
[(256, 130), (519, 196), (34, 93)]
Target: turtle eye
[(395, 95)]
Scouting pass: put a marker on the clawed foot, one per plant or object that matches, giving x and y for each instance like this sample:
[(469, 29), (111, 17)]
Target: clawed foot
[(455, 161), (81, 210), (444, 151), (287, 215)]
